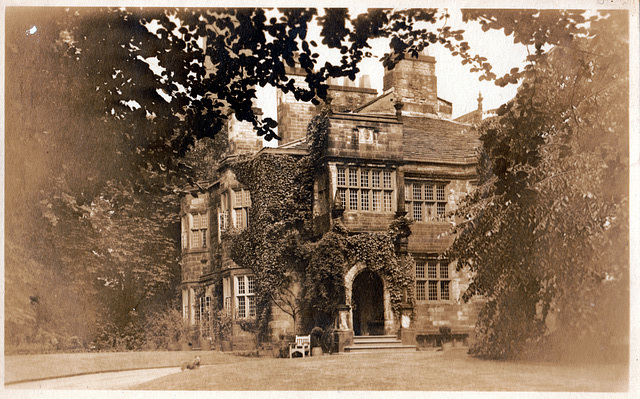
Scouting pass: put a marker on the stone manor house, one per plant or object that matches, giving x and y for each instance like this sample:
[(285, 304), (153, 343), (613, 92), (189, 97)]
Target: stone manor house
[(389, 154)]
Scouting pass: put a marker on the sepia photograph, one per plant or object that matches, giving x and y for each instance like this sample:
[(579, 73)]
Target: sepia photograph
[(321, 201)]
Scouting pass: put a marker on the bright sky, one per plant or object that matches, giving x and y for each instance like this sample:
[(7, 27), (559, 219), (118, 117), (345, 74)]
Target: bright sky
[(455, 83)]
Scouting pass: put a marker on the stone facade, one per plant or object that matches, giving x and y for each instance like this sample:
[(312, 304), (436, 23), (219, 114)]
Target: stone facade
[(347, 97), (388, 155)]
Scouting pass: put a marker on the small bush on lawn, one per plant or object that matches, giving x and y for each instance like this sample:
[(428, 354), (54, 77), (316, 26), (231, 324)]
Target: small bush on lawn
[(316, 337), (165, 328), (110, 337)]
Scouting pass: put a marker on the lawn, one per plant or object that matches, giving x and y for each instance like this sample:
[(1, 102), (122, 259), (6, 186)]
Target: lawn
[(420, 371), (35, 367)]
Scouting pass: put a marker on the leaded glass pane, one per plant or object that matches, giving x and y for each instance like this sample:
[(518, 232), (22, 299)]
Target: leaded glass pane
[(432, 269), (420, 290), (419, 269), (433, 290)]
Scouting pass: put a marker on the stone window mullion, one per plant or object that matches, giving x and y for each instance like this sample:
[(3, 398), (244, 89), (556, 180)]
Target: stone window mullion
[(364, 189)]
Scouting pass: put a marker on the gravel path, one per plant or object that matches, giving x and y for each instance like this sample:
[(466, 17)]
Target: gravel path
[(100, 381)]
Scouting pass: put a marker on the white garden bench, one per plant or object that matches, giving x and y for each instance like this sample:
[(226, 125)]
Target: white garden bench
[(302, 345)]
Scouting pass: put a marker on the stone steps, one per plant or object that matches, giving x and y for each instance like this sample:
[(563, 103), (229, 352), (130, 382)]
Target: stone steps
[(378, 343)]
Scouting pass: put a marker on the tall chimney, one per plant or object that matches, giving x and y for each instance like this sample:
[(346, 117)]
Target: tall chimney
[(365, 81), (242, 137), (293, 115), (415, 84)]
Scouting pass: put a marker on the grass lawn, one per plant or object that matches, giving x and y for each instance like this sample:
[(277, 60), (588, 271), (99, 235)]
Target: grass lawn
[(35, 367), (420, 371)]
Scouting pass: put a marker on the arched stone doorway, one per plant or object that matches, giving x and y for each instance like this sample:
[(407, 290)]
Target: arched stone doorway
[(352, 290), (367, 301)]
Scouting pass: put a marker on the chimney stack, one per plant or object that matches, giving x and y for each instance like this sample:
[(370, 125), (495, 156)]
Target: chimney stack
[(365, 82), (414, 83), (242, 137)]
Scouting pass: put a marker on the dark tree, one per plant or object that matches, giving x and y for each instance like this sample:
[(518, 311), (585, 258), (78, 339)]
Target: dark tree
[(546, 233)]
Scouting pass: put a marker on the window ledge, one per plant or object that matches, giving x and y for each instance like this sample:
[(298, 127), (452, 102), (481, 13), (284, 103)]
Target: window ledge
[(438, 302), (195, 250), (393, 213)]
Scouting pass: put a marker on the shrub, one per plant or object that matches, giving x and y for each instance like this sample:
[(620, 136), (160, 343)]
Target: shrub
[(284, 352), (316, 337), (164, 328), (222, 324), (327, 340), (445, 334)]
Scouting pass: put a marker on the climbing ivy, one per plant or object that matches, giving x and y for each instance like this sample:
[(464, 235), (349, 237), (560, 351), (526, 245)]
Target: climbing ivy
[(336, 252), (272, 245), (282, 248)]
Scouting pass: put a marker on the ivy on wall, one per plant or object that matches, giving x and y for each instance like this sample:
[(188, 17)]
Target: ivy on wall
[(272, 245), (281, 247), (336, 252)]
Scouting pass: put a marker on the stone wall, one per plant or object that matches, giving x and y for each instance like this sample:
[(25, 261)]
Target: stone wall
[(195, 261), (348, 97), (361, 222), (461, 317), (430, 237), (191, 264), (365, 137), (445, 108), (435, 236), (294, 115), (281, 323)]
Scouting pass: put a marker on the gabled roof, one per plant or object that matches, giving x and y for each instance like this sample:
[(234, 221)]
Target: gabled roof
[(426, 138), (382, 104), (438, 140)]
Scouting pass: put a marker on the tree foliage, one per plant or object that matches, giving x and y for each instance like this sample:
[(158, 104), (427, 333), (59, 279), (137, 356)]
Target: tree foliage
[(203, 157), (251, 47), (546, 233), (96, 137), (134, 245), (87, 133)]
